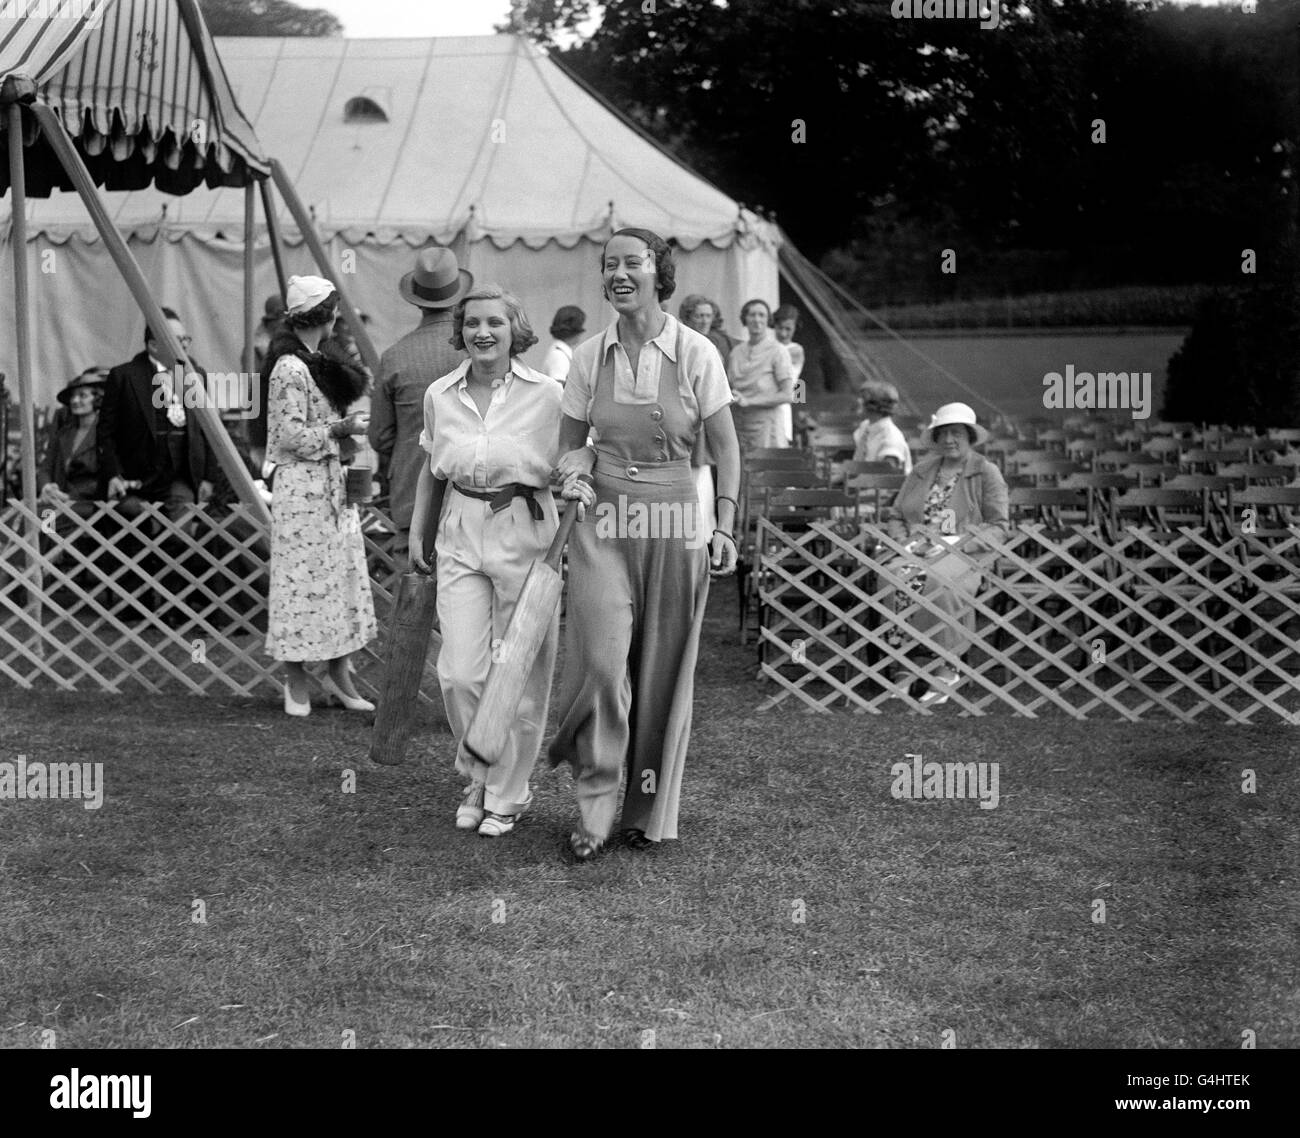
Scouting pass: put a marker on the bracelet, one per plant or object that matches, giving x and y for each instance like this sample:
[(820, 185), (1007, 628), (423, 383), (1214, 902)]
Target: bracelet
[(726, 498), (728, 536)]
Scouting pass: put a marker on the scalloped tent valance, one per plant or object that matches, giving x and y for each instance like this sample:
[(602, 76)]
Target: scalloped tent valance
[(487, 139), (139, 87)]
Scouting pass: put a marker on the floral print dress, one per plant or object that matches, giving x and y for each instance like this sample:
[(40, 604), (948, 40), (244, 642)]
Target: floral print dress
[(937, 514), (320, 605)]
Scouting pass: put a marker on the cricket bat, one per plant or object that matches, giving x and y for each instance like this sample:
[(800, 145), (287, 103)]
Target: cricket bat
[(410, 633), (513, 660)]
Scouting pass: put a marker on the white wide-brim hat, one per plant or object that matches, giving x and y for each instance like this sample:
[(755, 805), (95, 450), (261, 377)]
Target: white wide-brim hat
[(952, 414)]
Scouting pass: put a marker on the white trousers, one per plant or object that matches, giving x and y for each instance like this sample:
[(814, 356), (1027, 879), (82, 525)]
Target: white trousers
[(483, 559)]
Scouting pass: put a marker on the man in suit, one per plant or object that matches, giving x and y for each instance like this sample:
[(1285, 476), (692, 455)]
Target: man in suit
[(150, 448), (434, 286)]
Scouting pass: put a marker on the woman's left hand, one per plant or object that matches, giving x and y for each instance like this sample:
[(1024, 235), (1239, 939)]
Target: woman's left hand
[(723, 554)]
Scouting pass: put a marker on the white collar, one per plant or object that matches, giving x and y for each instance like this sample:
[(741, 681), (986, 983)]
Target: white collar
[(460, 377), (666, 341)]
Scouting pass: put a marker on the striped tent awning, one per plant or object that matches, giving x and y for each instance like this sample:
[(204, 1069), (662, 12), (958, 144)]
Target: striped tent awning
[(139, 87)]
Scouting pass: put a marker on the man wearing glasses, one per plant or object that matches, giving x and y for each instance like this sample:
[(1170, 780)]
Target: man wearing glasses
[(150, 448)]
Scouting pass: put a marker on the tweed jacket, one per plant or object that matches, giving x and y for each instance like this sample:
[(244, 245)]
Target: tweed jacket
[(979, 499), (397, 406)]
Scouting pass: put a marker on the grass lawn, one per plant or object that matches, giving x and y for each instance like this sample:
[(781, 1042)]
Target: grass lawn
[(329, 912)]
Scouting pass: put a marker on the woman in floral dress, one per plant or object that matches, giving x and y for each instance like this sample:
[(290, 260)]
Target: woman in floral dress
[(952, 492), (320, 606)]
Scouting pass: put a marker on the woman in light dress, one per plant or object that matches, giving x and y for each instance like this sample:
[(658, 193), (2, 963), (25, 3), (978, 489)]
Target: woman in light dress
[(320, 607)]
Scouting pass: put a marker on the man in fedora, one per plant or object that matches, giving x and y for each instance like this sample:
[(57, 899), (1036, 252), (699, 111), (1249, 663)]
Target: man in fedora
[(407, 369)]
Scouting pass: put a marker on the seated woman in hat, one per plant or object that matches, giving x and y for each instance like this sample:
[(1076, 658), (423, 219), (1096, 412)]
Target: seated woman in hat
[(952, 492), (69, 475)]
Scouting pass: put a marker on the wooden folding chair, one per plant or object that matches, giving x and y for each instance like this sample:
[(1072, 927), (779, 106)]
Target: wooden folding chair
[(1155, 506), (1045, 504), (1150, 474), (1053, 442), (1245, 474), (831, 444), (875, 493), (1102, 490), (794, 511), (1113, 461), (1164, 447), (758, 486), (1048, 472), (1216, 498), (1277, 509), (1199, 460), (780, 457), (1082, 451)]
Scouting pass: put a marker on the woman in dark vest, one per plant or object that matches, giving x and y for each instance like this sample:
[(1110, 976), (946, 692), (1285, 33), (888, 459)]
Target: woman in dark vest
[(646, 388)]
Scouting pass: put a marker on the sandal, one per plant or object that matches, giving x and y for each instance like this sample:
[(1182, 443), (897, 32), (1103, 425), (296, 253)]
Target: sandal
[(583, 846), (636, 840), (496, 825)]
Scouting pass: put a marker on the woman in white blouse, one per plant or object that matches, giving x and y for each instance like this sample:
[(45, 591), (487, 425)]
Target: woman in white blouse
[(762, 379), (490, 430)]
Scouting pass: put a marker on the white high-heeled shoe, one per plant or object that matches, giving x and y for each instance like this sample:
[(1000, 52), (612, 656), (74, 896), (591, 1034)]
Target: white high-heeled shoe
[(350, 702), (292, 706)]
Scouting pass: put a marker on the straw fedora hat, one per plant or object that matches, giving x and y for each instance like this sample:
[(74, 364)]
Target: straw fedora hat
[(951, 414), (437, 281)]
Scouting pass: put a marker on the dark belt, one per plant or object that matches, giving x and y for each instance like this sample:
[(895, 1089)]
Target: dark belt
[(502, 498)]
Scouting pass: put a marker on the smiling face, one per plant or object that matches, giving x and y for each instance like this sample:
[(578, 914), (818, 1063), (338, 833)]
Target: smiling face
[(756, 316), (81, 402), (785, 331), (487, 334), (953, 441), (628, 272)]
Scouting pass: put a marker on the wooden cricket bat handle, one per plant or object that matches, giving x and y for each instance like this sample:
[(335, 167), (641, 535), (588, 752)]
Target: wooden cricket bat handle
[(556, 551)]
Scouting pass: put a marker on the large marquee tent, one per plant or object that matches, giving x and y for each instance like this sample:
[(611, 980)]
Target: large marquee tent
[(481, 143)]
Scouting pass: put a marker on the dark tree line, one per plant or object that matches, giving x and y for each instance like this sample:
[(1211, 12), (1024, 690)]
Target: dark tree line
[(921, 135), (267, 18)]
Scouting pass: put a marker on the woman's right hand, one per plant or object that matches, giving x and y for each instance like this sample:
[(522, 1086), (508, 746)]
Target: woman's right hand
[(355, 424), (51, 495), (415, 551)]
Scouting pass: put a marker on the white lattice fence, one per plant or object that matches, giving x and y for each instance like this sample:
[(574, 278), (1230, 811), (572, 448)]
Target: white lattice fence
[(1067, 621), (110, 602)]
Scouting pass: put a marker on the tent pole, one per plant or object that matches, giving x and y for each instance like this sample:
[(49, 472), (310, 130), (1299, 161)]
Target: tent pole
[(248, 281), (22, 310), (209, 419), (308, 230), (22, 304), (273, 231)]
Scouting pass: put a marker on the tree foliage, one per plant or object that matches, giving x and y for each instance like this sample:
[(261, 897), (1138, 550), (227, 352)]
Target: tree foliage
[(1241, 362), (1082, 144), (267, 18)]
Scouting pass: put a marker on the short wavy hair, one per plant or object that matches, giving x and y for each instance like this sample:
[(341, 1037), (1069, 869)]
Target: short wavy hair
[(690, 304), (314, 316), (744, 310), (665, 270), (786, 312), (522, 336)]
